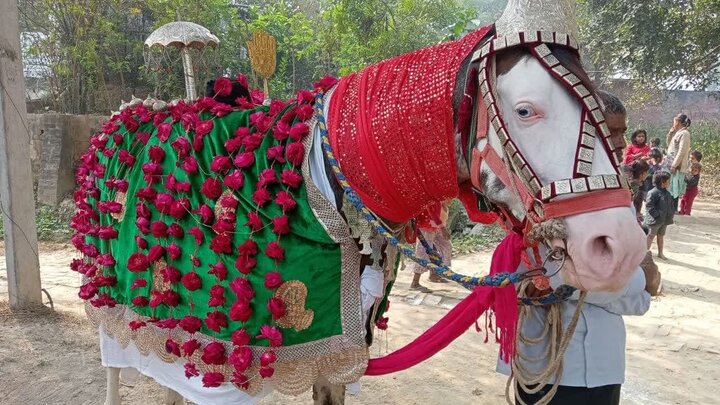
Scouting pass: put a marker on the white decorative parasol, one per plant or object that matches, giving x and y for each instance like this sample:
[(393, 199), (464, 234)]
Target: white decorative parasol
[(184, 36)]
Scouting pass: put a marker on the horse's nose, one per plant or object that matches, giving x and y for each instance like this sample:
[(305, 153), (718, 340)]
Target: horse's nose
[(606, 247)]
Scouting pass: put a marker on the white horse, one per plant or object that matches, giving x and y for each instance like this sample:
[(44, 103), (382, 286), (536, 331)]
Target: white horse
[(539, 103)]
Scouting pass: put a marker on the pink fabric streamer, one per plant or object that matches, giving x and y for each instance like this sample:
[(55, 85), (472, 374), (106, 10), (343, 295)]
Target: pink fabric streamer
[(502, 300)]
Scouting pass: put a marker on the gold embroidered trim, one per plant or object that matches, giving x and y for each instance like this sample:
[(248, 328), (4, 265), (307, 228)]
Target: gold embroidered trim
[(159, 283), (294, 294)]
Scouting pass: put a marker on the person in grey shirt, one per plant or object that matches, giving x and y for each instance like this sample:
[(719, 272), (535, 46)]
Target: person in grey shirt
[(593, 366)]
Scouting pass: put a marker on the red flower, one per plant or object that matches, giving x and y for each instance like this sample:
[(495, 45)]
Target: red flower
[(190, 165), (286, 201), (266, 372), (142, 210), (244, 159), (242, 288), (326, 83), (240, 338), (189, 120), (281, 131), (191, 281), (198, 142), (219, 270), (191, 370), (275, 251), (242, 79), (163, 131), (156, 298), (222, 86), (220, 164), (304, 112), (223, 226), (261, 197), (217, 296), (163, 202), (205, 104), (181, 146), (174, 251), (87, 291), (216, 320), (171, 298), (203, 128), (305, 97), (295, 153), (241, 358), (172, 347), (143, 225), (155, 253), (167, 323), (214, 354), (240, 311), (245, 264), (252, 142), (229, 201), (140, 282), (276, 307), (156, 154), (152, 169), (382, 323), (138, 262), (107, 233), (159, 229), (176, 231), (221, 109), (234, 180), (249, 247), (233, 145), (91, 251), (135, 325), (190, 346), (180, 208), (212, 188), (109, 206), (213, 379), (272, 334), (131, 125), (140, 301), (206, 214), (299, 131), (291, 178), (267, 358), (221, 244), (190, 324), (276, 153), (198, 234), (273, 280), (242, 132), (254, 221), (147, 193), (171, 275), (266, 177), (281, 225), (159, 118)]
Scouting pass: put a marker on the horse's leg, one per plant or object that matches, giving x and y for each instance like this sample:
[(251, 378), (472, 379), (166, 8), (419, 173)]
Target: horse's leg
[(112, 395), (325, 393), (173, 398)]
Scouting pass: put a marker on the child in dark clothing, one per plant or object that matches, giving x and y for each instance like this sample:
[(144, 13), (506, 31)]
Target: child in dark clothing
[(655, 162), (659, 211)]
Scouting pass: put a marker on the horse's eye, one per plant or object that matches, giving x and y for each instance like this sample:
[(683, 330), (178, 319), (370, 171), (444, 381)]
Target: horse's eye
[(525, 111)]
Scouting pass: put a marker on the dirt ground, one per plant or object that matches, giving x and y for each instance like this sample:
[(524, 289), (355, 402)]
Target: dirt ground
[(673, 352)]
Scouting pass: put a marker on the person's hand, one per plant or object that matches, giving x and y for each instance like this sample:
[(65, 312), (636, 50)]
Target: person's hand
[(676, 124)]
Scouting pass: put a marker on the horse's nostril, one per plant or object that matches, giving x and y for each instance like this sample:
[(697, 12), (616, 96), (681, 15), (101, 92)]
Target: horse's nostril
[(601, 246)]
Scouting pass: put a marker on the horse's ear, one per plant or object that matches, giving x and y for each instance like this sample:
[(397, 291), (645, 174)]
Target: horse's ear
[(210, 88)]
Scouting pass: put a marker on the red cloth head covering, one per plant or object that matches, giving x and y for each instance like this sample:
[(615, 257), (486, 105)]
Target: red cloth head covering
[(391, 128)]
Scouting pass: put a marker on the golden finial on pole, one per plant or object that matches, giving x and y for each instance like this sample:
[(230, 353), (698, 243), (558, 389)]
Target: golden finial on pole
[(263, 49)]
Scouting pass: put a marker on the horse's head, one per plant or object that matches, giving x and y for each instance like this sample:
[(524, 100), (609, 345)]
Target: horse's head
[(543, 154)]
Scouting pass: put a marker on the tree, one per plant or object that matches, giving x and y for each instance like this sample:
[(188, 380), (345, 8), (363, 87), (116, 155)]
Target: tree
[(668, 43)]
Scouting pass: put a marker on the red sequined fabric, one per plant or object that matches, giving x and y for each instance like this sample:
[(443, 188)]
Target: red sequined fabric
[(391, 128)]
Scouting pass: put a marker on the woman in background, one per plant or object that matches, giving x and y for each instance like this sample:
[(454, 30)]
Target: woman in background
[(678, 157)]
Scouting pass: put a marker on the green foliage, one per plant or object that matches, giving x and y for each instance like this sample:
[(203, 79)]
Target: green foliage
[(670, 43), (52, 223), (488, 238)]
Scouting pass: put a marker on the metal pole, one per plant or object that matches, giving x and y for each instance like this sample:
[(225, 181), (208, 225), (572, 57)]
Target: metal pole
[(189, 74)]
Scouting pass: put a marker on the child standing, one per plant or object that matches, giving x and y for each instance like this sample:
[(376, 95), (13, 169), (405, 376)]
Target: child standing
[(691, 191), (659, 211)]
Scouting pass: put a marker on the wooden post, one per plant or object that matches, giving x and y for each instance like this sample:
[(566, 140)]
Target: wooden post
[(16, 183)]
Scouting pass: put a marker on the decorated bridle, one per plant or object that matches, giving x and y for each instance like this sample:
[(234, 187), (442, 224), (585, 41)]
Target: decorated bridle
[(583, 192)]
